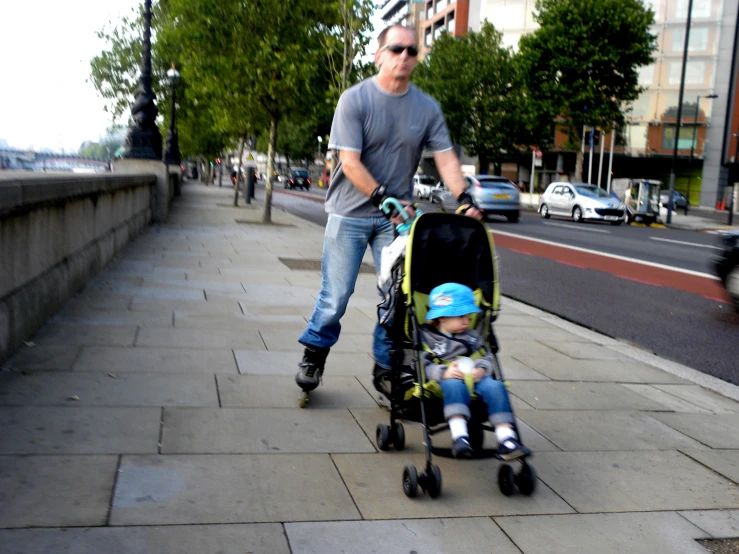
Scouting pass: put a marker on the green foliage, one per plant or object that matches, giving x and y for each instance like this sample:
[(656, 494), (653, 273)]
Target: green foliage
[(477, 83), (581, 64)]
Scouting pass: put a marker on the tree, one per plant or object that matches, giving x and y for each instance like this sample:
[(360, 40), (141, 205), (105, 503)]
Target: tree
[(581, 64), (478, 86)]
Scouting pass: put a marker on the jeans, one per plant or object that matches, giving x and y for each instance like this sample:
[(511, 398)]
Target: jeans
[(457, 399), (344, 244)]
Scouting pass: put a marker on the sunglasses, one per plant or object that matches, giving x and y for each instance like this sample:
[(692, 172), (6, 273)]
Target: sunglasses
[(398, 49)]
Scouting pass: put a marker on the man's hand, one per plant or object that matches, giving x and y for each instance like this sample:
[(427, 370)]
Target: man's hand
[(409, 209), (452, 372), (467, 206), (478, 374)]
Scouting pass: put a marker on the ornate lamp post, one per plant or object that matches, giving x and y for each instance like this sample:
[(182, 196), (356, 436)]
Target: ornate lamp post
[(144, 140), (172, 147)]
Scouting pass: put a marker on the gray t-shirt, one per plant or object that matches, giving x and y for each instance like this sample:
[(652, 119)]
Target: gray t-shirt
[(390, 131)]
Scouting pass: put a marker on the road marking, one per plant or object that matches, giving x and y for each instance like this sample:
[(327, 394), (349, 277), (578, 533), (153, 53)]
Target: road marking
[(575, 227), (614, 256), (687, 243)]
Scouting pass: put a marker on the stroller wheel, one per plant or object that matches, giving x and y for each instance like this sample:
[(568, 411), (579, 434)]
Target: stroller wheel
[(526, 480), (505, 480), (433, 481), (383, 437), (410, 481), (398, 436)]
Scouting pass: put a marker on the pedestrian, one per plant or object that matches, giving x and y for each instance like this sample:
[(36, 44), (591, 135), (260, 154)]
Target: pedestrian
[(458, 358), (380, 129)]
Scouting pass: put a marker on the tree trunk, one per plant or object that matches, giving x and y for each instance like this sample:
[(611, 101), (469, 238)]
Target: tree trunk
[(579, 159), (267, 216), (238, 171)]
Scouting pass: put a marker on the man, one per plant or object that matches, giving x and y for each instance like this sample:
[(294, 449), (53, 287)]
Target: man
[(380, 129)]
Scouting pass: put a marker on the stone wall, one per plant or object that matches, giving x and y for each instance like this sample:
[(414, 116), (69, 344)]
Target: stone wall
[(55, 233)]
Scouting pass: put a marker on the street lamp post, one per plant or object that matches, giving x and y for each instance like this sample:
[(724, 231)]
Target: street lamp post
[(320, 140), (144, 140), (172, 146), (692, 143)]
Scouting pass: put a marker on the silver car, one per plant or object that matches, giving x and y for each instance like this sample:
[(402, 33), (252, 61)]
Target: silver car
[(581, 201), (493, 194)]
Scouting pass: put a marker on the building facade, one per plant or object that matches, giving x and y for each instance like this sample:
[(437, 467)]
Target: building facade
[(650, 132)]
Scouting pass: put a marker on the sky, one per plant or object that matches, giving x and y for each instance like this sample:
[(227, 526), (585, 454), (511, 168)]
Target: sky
[(46, 47)]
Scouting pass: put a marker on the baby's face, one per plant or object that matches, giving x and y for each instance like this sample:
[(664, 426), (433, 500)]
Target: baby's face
[(454, 325)]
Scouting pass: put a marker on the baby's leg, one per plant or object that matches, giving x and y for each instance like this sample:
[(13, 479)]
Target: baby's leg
[(500, 415), (457, 412)]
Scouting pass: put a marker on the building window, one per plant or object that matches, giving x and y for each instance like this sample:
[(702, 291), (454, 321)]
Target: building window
[(695, 73), (698, 41), (450, 27), (429, 10), (654, 4), (427, 37), (440, 5), (701, 9), (646, 75), (687, 136)]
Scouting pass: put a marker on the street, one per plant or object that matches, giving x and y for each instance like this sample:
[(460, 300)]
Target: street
[(649, 286)]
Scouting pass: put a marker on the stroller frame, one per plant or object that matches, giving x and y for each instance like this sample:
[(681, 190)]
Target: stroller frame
[(394, 435)]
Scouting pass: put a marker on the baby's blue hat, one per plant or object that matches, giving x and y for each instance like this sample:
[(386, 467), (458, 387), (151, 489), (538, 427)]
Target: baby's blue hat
[(451, 300)]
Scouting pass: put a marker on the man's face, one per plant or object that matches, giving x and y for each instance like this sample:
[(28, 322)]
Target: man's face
[(398, 65)]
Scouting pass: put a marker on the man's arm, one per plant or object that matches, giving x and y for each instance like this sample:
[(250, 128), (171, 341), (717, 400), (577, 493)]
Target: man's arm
[(448, 165)]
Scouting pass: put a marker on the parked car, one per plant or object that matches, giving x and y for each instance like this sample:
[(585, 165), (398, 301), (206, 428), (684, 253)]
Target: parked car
[(298, 178), (436, 191), (726, 264), (678, 199), (422, 185), (494, 195), (581, 202)]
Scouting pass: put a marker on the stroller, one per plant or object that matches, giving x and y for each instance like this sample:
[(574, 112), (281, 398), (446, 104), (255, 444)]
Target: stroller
[(441, 248)]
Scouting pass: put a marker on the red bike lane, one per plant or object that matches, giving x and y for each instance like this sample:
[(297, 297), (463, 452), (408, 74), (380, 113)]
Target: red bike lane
[(654, 275)]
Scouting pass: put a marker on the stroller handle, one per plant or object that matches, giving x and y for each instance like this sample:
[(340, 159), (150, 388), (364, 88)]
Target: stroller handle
[(390, 205)]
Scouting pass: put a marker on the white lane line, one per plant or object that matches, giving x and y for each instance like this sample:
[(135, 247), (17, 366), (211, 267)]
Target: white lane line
[(687, 243), (614, 256), (576, 228)]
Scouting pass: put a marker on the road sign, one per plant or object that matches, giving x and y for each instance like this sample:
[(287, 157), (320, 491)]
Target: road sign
[(538, 158), (250, 158)]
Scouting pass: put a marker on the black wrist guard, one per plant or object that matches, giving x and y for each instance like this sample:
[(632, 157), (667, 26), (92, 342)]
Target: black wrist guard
[(378, 195), (465, 202)]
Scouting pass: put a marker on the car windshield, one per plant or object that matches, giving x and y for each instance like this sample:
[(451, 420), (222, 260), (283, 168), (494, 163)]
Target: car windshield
[(426, 180), (495, 183), (592, 192), (300, 173)]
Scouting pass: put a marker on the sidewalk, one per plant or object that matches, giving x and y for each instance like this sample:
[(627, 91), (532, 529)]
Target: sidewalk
[(157, 413)]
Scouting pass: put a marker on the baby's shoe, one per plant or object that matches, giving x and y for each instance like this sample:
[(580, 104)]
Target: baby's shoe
[(461, 447), (511, 449)]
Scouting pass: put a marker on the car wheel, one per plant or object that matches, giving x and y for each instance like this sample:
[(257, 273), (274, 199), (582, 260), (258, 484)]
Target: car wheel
[(732, 285), (615, 223), (513, 218), (577, 214), (544, 211)]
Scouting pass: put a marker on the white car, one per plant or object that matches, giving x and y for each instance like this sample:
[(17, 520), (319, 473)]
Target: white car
[(581, 201), (422, 186)]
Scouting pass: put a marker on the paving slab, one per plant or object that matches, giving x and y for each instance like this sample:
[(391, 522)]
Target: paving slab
[(212, 305), (634, 481), (702, 397), (108, 335), (100, 301), (584, 350), (450, 536), (107, 389), (725, 462), (155, 360), (669, 401), (72, 430), (616, 371), (256, 488), (120, 318), (196, 320), (469, 489), (359, 343), (280, 391), (45, 357), (524, 350), (510, 318), (718, 524), (368, 419), (267, 362), (163, 337), (580, 396), (596, 430), (714, 430), (246, 431), (547, 333), (513, 370), (55, 491), (604, 533), (201, 539)]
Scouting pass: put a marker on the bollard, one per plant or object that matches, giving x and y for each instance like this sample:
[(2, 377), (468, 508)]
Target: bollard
[(249, 185)]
